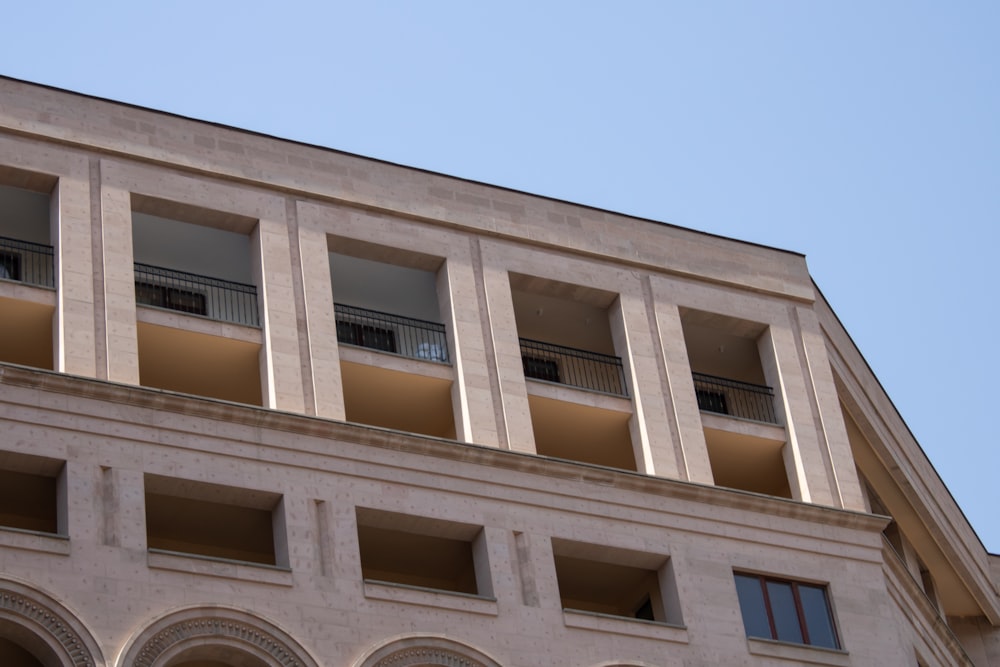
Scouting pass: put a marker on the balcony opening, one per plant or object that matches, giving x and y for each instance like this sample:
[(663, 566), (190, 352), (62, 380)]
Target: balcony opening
[(200, 364), (191, 268), (394, 355), (26, 258), (729, 377), (388, 307), (399, 400), (565, 335), (583, 433), (748, 462), (26, 254), (616, 582), (26, 334), (426, 553), (32, 493), (214, 521)]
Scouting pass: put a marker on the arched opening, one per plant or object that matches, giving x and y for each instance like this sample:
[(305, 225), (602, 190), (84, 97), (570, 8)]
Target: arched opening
[(425, 651), (214, 637), (12, 653), (36, 631)]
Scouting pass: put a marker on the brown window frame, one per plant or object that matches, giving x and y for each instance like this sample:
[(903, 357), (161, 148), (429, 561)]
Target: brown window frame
[(800, 615)]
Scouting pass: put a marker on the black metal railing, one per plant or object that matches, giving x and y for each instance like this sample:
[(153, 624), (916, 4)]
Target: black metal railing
[(734, 398), (577, 368), (190, 293), (26, 262), (407, 336)]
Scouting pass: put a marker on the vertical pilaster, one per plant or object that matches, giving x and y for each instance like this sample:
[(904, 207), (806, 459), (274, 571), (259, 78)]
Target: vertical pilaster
[(281, 374), (805, 463), (681, 397), (652, 439), (74, 331), (513, 392), (472, 397), (831, 431), (121, 346), (321, 329)]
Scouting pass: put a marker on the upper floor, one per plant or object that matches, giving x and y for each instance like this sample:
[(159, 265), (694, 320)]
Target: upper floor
[(150, 250)]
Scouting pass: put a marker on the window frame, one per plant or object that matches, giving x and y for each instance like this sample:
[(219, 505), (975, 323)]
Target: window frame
[(10, 263), (800, 613)]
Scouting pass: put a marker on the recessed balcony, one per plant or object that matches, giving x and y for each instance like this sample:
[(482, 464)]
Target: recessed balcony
[(192, 294), (26, 262), (569, 366), (405, 336), (734, 398)]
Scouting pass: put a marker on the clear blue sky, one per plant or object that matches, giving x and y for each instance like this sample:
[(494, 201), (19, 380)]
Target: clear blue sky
[(865, 135)]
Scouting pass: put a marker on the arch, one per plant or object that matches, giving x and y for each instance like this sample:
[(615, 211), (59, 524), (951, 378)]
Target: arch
[(213, 633), (425, 650), (45, 628)]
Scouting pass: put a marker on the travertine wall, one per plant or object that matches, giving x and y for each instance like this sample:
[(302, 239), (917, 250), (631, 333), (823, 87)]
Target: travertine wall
[(111, 436), (296, 203)]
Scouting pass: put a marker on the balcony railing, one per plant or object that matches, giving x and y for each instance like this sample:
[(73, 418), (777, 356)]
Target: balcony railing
[(577, 368), (27, 262), (196, 295), (406, 336), (737, 399)]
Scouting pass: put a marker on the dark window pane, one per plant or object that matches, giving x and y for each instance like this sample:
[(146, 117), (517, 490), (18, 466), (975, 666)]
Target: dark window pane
[(786, 619), (10, 265), (817, 614), (540, 369), (752, 606), (712, 401), (645, 611)]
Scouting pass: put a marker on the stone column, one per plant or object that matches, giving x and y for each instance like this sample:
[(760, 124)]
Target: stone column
[(649, 425), (681, 399), (321, 325), (281, 375), (512, 390), (74, 332), (115, 232), (476, 419), (808, 468), (831, 431)]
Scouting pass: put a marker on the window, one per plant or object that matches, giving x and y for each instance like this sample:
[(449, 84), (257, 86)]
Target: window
[(540, 369), (712, 401), (196, 518), (365, 335), (423, 552), (10, 265), (786, 611), (612, 581), (173, 298)]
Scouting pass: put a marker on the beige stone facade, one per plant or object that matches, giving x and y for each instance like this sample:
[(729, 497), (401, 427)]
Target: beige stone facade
[(268, 404)]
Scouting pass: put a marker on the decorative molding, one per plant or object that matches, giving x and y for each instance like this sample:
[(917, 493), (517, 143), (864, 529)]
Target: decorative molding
[(40, 615), (425, 651), (413, 657), (209, 626)]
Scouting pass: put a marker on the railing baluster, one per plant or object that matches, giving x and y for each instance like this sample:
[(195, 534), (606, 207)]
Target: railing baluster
[(569, 366), (27, 262), (217, 299), (735, 398), (406, 336)]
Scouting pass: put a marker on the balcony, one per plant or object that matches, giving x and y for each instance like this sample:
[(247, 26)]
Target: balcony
[(26, 262), (192, 294), (405, 336), (736, 399), (576, 368)]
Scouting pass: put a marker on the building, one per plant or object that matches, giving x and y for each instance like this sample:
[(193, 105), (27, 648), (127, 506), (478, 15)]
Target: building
[(269, 404)]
